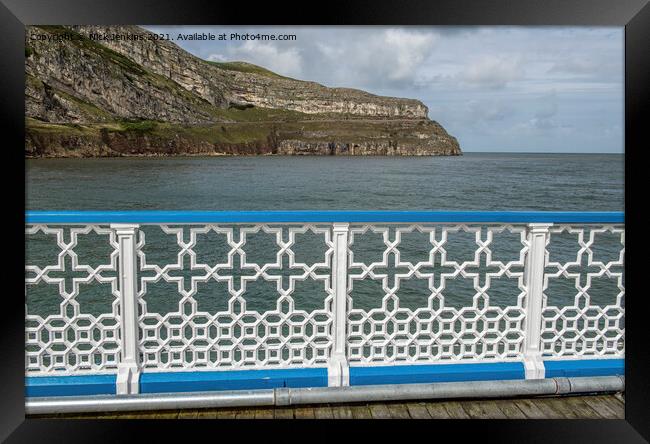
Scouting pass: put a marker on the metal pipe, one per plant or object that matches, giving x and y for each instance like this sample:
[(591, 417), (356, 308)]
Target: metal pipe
[(293, 396)]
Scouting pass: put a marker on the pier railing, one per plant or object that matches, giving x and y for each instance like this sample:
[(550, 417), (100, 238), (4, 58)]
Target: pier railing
[(164, 301)]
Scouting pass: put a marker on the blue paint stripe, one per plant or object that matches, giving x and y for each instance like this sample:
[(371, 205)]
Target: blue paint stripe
[(231, 380), (158, 217), (584, 367), (70, 385), (409, 374)]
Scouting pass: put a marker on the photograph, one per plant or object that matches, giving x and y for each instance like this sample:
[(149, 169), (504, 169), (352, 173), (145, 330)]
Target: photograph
[(346, 221)]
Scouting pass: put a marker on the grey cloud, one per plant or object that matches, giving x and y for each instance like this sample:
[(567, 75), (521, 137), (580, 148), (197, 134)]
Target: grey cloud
[(492, 71)]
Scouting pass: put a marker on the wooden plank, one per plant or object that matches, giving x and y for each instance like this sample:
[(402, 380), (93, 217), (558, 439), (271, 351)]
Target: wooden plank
[(615, 405), (166, 414), (550, 409), (509, 408), (581, 408), (530, 409), (188, 414), (226, 413), (207, 414), (616, 399), (379, 411), (418, 410), (602, 407), (437, 410), (112, 415), (342, 412), (263, 414), (361, 411), (100, 415), (304, 413), (139, 414), (456, 410), (559, 407), (398, 411), (483, 410), (245, 414), (106, 416), (323, 412), (620, 396), (283, 413)]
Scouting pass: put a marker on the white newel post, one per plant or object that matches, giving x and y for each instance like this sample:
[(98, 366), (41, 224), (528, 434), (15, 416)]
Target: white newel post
[(338, 370), (534, 281), (128, 370)]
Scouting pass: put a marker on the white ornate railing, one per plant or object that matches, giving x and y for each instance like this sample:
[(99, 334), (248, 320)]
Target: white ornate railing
[(360, 295)]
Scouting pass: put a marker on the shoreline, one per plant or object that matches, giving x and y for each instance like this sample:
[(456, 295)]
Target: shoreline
[(172, 156)]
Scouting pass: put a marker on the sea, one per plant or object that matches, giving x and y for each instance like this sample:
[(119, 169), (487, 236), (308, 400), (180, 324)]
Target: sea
[(474, 181)]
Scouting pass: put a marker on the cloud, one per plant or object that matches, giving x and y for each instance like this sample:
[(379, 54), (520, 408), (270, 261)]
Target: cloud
[(588, 69), (490, 110), (285, 61), (575, 66), (216, 58), (386, 59), (408, 49), (547, 111), (492, 72), (542, 123)]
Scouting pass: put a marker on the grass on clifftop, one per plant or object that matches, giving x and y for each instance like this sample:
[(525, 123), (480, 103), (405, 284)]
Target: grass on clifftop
[(233, 133), (246, 67)]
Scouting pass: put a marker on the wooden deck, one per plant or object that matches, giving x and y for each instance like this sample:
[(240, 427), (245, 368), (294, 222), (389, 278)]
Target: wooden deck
[(570, 407)]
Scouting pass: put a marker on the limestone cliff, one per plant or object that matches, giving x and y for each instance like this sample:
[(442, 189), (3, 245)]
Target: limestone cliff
[(89, 97)]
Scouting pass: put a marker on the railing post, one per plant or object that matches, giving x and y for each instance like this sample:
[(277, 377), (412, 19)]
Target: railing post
[(534, 282), (128, 370), (338, 370)]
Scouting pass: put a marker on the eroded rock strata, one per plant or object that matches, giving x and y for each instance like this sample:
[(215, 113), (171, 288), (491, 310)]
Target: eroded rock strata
[(119, 97)]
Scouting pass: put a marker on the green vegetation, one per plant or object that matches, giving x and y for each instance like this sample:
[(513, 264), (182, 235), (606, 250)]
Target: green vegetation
[(140, 126), (246, 67), (29, 51), (235, 133), (33, 81), (85, 43), (87, 108), (64, 129)]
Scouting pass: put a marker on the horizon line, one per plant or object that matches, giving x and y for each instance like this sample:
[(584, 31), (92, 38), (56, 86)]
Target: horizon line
[(544, 152)]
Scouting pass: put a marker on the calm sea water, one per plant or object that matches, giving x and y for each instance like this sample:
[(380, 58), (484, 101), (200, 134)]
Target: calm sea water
[(568, 182)]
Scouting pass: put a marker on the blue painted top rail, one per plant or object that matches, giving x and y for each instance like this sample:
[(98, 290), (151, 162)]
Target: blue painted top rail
[(184, 217)]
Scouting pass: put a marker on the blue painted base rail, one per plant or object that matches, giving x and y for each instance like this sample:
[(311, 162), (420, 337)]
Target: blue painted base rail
[(584, 367), (168, 382), (40, 386), (232, 380), (233, 217), (411, 374)]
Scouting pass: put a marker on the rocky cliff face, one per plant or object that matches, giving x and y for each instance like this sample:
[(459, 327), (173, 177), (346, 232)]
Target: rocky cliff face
[(86, 97)]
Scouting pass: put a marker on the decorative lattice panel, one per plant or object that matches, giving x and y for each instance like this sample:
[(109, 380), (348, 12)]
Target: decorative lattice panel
[(469, 304), (72, 299), (236, 296), (261, 296), (584, 294)]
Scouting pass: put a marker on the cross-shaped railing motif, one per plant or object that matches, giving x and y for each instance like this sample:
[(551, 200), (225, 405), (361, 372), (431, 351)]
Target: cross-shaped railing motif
[(507, 311)]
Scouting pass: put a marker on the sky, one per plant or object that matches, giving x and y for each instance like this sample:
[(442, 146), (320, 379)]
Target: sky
[(499, 88)]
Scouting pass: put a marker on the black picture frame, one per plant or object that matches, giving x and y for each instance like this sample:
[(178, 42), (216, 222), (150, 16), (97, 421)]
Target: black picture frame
[(634, 15)]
